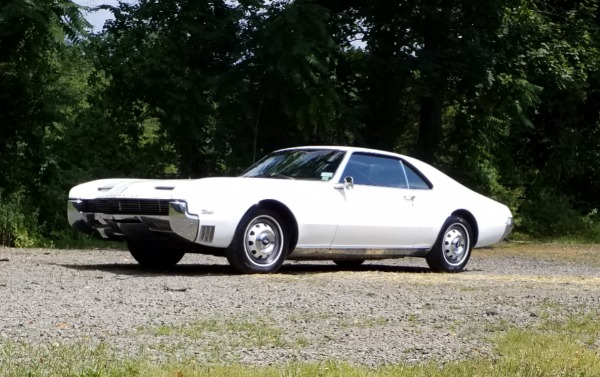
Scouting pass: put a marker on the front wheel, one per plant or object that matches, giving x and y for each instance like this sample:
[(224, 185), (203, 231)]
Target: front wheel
[(154, 254), (452, 249), (260, 244)]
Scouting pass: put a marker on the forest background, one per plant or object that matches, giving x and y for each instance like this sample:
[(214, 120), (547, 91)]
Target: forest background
[(504, 96)]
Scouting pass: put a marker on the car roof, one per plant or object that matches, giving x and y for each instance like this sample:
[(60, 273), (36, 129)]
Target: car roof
[(345, 149), (434, 175)]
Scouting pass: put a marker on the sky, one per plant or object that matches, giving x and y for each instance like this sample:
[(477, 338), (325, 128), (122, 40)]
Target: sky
[(97, 18)]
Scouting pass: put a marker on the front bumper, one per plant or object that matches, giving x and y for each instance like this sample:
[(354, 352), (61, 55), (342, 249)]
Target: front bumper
[(182, 222), (118, 226)]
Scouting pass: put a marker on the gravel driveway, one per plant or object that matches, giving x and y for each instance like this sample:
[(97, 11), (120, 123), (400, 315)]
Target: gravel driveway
[(384, 312)]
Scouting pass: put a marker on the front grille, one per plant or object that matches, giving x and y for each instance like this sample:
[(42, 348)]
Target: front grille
[(114, 206)]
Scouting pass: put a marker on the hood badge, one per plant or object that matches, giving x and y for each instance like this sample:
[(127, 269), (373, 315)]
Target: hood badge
[(117, 191)]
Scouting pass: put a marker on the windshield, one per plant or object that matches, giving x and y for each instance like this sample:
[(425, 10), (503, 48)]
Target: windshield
[(310, 164)]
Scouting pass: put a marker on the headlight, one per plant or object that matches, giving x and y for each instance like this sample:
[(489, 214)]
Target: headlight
[(76, 203)]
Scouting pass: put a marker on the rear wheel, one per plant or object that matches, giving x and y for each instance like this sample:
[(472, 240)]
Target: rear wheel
[(154, 254), (452, 249), (260, 244)]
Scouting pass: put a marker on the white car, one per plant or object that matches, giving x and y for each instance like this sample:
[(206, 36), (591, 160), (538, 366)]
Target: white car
[(343, 204)]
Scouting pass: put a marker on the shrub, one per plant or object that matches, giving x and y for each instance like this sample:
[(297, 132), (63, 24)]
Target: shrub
[(548, 214), (18, 222)]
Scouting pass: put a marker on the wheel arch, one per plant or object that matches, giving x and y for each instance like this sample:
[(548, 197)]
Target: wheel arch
[(287, 216), (468, 216)]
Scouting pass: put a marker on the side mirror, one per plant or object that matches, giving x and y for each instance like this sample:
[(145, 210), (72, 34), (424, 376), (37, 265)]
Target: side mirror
[(349, 182)]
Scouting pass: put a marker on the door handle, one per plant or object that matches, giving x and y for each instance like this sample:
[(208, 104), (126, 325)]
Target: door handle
[(409, 197)]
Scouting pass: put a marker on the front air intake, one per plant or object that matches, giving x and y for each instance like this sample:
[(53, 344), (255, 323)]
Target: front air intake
[(115, 206), (207, 233)]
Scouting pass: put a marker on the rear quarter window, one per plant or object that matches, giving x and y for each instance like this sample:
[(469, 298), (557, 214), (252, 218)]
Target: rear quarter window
[(416, 181)]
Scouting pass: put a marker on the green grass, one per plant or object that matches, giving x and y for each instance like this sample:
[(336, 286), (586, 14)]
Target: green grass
[(588, 236), (219, 340), (243, 333), (560, 252), (552, 348)]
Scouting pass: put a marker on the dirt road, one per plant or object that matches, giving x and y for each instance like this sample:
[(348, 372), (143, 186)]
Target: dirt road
[(382, 313)]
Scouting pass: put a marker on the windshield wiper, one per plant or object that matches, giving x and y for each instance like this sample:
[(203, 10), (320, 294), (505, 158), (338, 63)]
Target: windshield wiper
[(270, 175), (279, 175)]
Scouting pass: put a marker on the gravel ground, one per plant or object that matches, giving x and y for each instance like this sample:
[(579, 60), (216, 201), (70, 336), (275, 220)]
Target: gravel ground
[(385, 312)]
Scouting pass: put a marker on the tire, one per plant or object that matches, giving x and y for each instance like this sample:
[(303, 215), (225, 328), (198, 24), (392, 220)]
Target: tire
[(154, 255), (453, 246), (260, 244), (349, 263)]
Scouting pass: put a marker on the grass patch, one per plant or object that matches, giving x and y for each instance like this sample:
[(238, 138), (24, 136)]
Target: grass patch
[(18, 359), (554, 252), (237, 334), (534, 353), (584, 330), (553, 348)]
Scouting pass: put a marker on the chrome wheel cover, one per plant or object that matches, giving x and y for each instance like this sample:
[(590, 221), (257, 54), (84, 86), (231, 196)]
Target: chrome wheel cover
[(456, 244), (263, 241)]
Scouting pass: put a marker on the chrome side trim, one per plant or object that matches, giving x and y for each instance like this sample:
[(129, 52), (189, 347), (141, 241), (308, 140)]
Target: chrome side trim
[(182, 222), (313, 254)]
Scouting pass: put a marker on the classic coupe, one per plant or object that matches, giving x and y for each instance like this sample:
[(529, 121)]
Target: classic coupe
[(343, 204)]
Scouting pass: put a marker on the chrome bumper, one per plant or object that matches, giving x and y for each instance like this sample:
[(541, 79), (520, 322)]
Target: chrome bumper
[(76, 218), (115, 227), (509, 227), (182, 222)]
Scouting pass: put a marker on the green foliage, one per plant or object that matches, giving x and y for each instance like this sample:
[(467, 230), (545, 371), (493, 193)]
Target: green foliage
[(18, 222), (289, 91), (503, 95), (168, 61), (556, 216), (295, 68), (34, 39)]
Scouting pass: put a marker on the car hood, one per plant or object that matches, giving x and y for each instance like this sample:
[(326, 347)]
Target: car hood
[(132, 188)]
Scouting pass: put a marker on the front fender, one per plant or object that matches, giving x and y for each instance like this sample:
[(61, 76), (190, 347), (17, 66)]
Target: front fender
[(217, 207)]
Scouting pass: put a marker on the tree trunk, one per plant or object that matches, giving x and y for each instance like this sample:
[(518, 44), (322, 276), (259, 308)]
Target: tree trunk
[(434, 78), (430, 126)]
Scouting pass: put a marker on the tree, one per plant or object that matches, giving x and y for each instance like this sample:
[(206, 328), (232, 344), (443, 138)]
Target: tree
[(33, 38), (291, 94), (167, 60)]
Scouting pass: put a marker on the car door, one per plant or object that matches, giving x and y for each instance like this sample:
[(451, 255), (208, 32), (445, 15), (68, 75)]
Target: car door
[(379, 207)]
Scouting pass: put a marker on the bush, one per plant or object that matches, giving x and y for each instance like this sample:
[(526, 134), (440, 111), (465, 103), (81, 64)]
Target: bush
[(548, 214), (18, 222)]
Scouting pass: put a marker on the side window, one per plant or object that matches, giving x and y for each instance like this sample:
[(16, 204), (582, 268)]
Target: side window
[(415, 181), (373, 170)]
